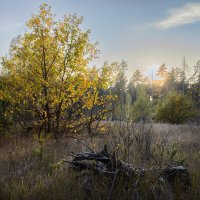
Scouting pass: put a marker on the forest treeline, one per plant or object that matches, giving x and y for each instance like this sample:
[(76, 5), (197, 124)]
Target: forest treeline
[(47, 84), (173, 98)]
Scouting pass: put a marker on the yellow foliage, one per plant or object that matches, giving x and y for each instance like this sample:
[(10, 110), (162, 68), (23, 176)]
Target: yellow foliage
[(48, 71)]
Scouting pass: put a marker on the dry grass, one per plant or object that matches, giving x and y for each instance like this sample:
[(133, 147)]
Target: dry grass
[(32, 169)]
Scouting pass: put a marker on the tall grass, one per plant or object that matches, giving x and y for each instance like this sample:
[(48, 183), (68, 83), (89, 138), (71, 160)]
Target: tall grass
[(33, 169)]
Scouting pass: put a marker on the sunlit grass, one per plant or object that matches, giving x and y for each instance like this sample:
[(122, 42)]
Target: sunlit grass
[(26, 172)]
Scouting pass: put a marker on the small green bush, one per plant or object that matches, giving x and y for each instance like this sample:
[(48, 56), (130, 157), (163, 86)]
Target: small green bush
[(175, 108)]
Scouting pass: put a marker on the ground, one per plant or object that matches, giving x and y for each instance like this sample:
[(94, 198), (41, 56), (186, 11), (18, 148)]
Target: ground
[(34, 169)]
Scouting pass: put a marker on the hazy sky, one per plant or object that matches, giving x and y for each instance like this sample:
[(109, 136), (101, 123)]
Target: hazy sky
[(145, 33)]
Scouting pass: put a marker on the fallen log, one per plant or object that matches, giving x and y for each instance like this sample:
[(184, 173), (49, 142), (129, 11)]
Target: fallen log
[(176, 174), (107, 163)]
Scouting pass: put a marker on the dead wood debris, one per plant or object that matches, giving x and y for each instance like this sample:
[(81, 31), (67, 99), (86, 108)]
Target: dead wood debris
[(106, 163)]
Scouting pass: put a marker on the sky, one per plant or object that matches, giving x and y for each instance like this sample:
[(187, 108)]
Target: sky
[(144, 33)]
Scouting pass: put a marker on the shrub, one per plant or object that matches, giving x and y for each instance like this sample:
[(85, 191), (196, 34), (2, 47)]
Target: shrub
[(175, 108)]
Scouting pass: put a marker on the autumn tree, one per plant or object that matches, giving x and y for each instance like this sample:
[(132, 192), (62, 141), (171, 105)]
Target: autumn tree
[(98, 97), (48, 78), (5, 110)]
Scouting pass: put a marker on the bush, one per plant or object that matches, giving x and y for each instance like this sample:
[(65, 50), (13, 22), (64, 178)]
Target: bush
[(175, 108)]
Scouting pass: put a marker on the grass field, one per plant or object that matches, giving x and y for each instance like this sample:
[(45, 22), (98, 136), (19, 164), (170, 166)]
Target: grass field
[(33, 169)]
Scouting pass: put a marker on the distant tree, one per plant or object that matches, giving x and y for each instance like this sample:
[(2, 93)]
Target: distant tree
[(177, 80), (119, 90), (136, 80), (141, 110), (194, 91), (128, 106), (131, 89), (137, 77), (162, 71), (175, 108)]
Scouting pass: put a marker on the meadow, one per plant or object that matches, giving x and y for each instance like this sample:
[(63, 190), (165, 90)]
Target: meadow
[(34, 169), (74, 127)]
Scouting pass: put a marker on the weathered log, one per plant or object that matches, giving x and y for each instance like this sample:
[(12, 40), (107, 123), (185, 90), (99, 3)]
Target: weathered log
[(106, 163), (176, 174)]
